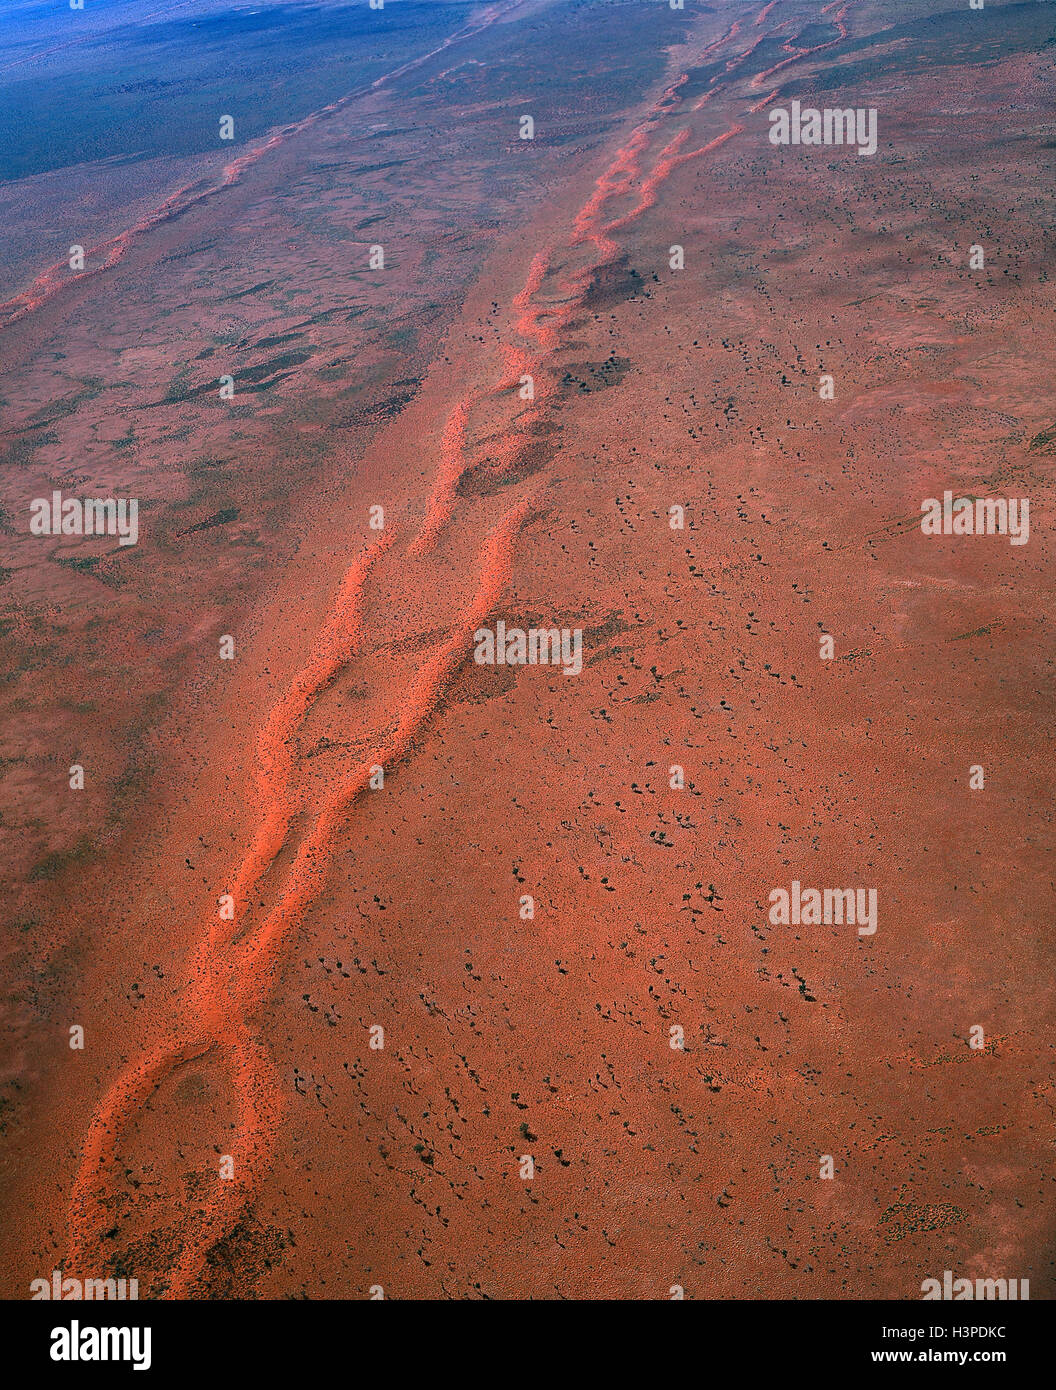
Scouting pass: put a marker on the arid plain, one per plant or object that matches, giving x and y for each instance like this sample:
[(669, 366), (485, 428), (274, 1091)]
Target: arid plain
[(401, 906)]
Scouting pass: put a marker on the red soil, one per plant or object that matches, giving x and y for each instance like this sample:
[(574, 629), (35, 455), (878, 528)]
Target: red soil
[(654, 1167)]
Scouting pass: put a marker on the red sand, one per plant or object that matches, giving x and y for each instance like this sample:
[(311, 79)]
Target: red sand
[(355, 906)]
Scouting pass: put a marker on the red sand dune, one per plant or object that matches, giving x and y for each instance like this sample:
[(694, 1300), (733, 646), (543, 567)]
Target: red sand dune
[(659, 1177)]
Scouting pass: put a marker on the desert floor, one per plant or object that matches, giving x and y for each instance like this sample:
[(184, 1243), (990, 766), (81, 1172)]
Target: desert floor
[(244, 1046)]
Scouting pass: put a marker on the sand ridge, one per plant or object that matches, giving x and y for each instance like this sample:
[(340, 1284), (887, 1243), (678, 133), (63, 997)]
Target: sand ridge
[(638, 1160)]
